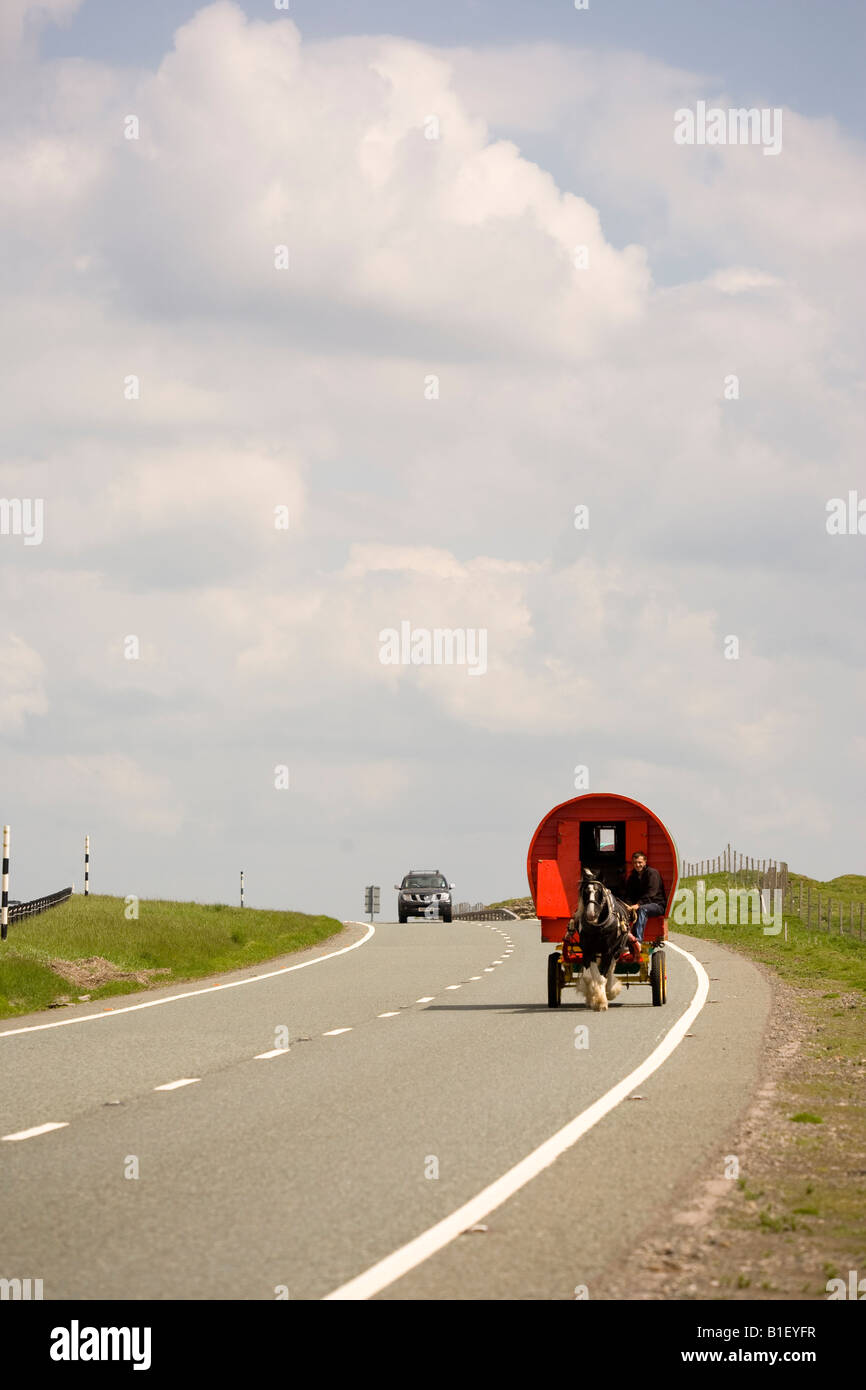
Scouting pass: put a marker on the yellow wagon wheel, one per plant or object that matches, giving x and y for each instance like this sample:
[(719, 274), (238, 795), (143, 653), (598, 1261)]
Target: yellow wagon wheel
[(658, 976)]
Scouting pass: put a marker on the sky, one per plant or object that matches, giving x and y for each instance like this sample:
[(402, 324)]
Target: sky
[(325, 324)]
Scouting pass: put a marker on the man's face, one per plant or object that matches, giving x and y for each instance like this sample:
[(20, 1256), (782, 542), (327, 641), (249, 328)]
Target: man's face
[(639, 861)]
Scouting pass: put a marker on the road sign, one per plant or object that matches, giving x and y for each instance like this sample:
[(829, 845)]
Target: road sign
[(371, 900)]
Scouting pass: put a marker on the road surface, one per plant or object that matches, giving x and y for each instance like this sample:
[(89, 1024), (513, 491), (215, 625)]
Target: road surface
[(422, 1065)]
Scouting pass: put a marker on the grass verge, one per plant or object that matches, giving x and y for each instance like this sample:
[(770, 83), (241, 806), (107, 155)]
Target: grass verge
[(87, 947), (795, 1217)]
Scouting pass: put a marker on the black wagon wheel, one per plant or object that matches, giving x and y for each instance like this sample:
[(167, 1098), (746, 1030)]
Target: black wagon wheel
[(554, 981), (659, 976)]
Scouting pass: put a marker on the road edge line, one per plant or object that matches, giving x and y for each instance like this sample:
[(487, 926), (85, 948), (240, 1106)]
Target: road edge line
[(415, 1252), (191, 993)]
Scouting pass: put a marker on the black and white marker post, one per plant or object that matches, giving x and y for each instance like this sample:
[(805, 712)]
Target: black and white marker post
[(242, 887), (4, 909), (86, 866)]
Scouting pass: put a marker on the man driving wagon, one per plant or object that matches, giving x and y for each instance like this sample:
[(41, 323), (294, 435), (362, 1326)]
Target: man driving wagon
[(644, 895)]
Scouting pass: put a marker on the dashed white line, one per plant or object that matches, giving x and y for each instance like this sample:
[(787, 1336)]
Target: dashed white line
[(416, 1251), (37, 1129), (193, 993), (426, 999), (173, 1085), (332, 1032), (277, 1052), (392, 1014), (452, 986)]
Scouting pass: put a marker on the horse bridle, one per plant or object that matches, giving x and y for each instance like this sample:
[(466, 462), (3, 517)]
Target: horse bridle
[(608, 911)]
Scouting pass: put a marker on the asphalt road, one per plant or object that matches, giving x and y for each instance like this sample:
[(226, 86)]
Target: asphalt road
[(299, 1172)]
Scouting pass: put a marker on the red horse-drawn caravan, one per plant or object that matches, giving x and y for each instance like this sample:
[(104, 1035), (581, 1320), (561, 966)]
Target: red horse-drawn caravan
[(599, 832)]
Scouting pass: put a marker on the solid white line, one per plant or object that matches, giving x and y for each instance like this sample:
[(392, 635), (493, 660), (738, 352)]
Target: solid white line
[(334, 1031), (39, 1129), (394, 1266), (277, 1052), (191, 993), (173, 1085)]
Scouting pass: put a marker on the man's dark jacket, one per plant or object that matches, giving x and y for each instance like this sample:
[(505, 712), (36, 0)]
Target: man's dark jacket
[(645, 887)]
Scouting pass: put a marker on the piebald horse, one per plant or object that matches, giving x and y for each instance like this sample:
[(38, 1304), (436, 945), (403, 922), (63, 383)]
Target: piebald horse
[(601, 923)]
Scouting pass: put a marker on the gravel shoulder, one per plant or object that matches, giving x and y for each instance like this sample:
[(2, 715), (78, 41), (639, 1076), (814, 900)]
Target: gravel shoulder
[(782, 1213)]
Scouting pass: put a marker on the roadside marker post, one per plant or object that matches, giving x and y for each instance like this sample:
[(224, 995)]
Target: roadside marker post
[(4, 909), (87, 866)]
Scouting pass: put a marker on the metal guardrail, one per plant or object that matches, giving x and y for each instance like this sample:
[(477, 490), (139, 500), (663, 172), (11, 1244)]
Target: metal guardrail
[(489, 914), (18, 910)]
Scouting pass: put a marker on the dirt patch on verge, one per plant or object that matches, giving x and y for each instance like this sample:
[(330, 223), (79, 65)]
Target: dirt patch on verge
[(96, 970), (783, 1211)]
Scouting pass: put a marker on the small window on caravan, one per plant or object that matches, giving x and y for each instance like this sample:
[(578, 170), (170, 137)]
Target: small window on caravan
[(605, 838)]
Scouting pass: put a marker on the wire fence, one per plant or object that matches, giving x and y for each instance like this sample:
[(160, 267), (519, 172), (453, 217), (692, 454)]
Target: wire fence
[(839, 913), (485, 914), (743, 866)]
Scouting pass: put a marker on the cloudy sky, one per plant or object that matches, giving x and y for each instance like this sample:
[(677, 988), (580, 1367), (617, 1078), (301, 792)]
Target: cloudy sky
[(424, 279)]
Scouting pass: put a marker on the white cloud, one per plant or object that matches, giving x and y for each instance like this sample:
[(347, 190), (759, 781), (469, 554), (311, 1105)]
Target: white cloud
[(22, 689), (411, 257), (17, 16)]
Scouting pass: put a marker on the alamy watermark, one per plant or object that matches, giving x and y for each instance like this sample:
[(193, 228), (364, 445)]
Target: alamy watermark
[(20, 1289), (438, 646), (855, 1288), (77, 1343), (23, 516), (737, 126), (846, 518), (724, 907)]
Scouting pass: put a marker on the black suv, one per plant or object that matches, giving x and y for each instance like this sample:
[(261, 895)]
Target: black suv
[(424, 893)]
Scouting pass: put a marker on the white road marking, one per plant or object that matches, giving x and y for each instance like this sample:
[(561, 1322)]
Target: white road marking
[(332, 1033), (394, 1266), (452, 986), (173, 1085), (427, 999), (277, 1052), (392, 1014), (191, 993), (38, 1129), (475, 977), (488, 969)]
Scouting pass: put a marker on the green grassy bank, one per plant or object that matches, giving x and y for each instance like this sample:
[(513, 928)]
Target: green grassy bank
[(803, 955), (87, 946)]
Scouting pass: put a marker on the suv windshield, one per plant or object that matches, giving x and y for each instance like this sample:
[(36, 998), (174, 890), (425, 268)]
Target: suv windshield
[(424, 881)]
